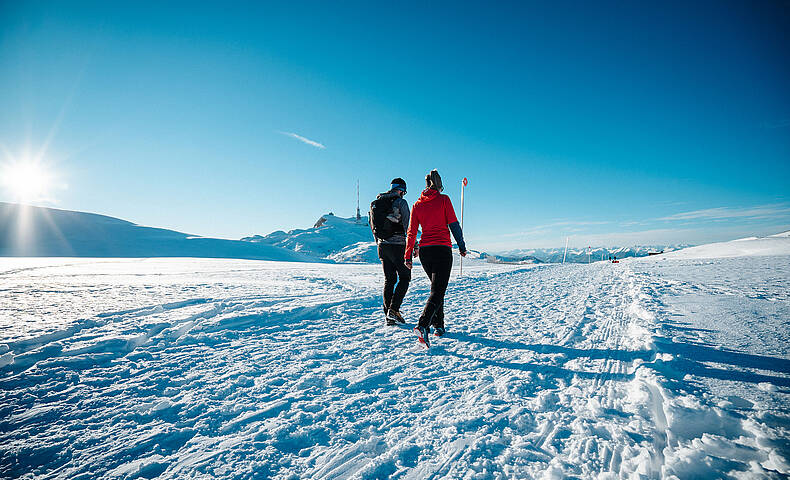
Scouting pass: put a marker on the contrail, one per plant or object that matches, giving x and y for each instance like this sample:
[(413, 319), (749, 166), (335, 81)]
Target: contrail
[(303, 139)]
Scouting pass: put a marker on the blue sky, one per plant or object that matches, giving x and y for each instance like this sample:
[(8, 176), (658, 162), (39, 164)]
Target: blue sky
[(612, 123)]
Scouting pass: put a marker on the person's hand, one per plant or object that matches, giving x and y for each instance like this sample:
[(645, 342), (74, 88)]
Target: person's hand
[(408, 263), (463, 253)]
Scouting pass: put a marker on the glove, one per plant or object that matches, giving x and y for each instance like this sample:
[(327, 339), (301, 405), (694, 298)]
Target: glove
[(462, 252), (408, 263)]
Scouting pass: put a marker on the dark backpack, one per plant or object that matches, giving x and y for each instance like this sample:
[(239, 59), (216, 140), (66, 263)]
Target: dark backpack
[(383, 227)]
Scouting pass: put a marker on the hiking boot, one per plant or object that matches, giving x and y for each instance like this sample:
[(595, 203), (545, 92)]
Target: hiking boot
[(422, 334), (395, 316), (438, 323)]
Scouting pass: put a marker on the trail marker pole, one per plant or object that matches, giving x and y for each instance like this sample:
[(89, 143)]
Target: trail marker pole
[(463, 186)]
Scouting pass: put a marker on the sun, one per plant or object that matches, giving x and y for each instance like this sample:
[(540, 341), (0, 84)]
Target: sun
[(26, 181)]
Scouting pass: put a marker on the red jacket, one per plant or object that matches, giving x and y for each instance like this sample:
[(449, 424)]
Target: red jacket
[(433, 211)]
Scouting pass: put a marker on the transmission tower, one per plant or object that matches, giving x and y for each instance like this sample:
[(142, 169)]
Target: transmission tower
[(359, 217)]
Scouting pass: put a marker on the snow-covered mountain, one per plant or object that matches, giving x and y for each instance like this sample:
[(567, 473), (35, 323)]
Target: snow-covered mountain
[(513, 259), (347, 240), (27, 231), (581, 255), (332, 238)]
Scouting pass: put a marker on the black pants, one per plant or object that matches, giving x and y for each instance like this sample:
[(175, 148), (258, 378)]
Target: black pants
[(437, 261), (394, 271)]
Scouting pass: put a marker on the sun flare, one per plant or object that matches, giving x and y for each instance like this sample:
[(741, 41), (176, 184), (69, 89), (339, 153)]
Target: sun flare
[(26, 181)]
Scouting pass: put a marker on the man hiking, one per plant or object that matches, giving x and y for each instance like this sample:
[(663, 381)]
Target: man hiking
[(389, 219), (434, 212)]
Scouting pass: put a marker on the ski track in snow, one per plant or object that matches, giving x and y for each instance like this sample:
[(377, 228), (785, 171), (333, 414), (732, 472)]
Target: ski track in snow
[(182, 368)]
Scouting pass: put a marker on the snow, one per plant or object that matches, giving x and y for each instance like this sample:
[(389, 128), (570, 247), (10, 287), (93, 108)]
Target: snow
[(46, 232), (217, 368), (29, 231), (773, 245), (333, 238), (343, 240), (360, 252), (582, 255)]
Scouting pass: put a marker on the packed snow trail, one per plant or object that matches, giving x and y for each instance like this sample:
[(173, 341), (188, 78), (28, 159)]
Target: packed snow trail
[(235, 369)]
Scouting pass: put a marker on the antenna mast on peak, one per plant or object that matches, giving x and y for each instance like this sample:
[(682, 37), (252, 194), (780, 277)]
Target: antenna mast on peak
[(359, 217)]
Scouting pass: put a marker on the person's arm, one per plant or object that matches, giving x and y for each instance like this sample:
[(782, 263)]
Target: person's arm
[(370, 224), (404, 215), (455, 227), (411, 236)]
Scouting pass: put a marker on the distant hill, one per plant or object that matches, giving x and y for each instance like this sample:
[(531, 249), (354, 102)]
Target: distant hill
[(27, 231), (773, 245)]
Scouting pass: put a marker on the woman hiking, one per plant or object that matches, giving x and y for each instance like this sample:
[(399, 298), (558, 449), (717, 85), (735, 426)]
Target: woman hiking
[(434, 213)]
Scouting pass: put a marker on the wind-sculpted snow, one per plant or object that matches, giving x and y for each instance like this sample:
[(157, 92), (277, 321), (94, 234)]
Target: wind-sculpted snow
[(173, 368)]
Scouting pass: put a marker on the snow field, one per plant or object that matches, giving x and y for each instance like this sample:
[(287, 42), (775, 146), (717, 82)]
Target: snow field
[(774, 245), (184, 368)]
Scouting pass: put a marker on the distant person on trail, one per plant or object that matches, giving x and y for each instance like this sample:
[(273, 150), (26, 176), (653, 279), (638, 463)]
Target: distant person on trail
[(434, 212), (389, 219)]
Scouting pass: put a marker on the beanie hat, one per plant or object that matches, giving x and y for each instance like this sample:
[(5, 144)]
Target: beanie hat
[(398, 183)]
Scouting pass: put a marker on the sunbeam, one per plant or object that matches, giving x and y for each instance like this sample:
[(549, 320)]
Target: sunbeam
[(26, 179)]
